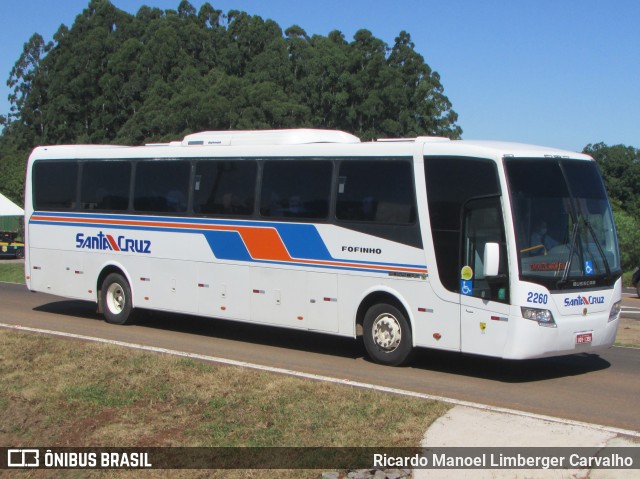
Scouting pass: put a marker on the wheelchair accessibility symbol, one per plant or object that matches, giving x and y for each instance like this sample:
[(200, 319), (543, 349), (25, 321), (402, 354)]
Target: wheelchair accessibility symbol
[(588, 267), (466, 287)]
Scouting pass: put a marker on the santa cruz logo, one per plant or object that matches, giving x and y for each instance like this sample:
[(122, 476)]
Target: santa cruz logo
[(105, 242), (583, 300)]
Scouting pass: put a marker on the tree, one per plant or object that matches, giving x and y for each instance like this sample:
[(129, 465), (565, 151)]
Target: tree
[(113, 77), (627, 228), (620, 167), (28, 97), (12, 173), (421, 106)]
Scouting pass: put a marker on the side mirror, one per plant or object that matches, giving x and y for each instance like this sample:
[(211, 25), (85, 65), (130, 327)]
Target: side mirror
[(491, 259)]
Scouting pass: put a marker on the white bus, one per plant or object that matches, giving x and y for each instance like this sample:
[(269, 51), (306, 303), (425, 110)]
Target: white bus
[(487, 248)]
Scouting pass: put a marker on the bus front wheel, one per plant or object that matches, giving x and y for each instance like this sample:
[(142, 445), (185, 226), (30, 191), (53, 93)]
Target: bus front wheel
[(387, 335), (116, 299)]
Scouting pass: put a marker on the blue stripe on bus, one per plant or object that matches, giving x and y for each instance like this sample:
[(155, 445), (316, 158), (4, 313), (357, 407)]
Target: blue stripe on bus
[(302, 241)]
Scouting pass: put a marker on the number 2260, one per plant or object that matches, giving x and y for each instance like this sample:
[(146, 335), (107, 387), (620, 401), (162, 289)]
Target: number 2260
[(537, 298)]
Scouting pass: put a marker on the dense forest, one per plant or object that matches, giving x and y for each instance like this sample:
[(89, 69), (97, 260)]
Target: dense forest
[(113, 77), (118, 78)]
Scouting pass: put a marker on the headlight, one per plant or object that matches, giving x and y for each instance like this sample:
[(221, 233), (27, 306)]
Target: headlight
[(615, 311), (542, 316)]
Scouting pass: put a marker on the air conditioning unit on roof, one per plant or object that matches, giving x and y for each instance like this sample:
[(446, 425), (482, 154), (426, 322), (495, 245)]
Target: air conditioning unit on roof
[(268, 137)]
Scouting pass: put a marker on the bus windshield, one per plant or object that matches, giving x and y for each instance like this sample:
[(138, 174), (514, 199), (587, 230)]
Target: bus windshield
[(565, 232)]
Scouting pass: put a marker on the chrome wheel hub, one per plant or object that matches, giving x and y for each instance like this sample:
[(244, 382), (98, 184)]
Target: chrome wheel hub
[(386, 332), (115, 298)]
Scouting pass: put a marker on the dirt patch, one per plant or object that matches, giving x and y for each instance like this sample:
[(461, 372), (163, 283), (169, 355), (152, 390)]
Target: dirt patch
[(628, 333)]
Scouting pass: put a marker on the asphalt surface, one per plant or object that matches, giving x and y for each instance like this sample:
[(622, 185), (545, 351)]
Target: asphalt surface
[(598, 388)]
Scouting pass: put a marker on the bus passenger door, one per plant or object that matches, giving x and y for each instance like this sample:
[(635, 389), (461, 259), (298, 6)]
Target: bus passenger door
[(484, 298)]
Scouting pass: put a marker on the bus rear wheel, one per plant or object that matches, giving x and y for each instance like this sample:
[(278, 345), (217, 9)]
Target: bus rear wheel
[(116, 299), (387, 335)]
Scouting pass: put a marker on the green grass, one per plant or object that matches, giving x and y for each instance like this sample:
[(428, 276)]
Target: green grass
[(58, 392), (101, 396), (12, 272)]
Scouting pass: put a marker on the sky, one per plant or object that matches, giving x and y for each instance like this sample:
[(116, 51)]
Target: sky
[(562, 73)]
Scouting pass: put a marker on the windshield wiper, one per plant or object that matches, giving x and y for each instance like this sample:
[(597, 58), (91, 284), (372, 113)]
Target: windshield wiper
[(599, 246), (572, 245)]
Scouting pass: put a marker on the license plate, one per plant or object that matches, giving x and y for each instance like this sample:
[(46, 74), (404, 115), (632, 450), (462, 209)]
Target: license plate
[(584, 338)]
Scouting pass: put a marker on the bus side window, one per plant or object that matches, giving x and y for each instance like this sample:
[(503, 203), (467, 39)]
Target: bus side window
[(296, 189), (162, 186), (176, 201), (55, 185), (377, 191), (105, 185), (225, 187)]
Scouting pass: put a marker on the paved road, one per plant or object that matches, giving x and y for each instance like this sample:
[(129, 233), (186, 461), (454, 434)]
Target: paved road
[(597, 388)]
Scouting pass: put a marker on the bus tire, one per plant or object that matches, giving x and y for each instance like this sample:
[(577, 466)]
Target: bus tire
[(387, 335), (116, 299)]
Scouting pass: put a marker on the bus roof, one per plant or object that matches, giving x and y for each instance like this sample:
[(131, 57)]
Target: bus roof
[(300, 142)]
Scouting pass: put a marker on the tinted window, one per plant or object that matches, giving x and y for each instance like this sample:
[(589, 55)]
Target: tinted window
[(162, 186), (55, 184), (451, 182), (376, 191), (225, 187), (296, 189), (105, 185)]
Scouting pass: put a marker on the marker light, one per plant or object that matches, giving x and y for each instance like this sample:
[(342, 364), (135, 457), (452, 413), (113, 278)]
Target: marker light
[(542, 316), (615, 311)]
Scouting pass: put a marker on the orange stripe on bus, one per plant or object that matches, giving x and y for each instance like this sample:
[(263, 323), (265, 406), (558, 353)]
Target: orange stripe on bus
[(264, 243)]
